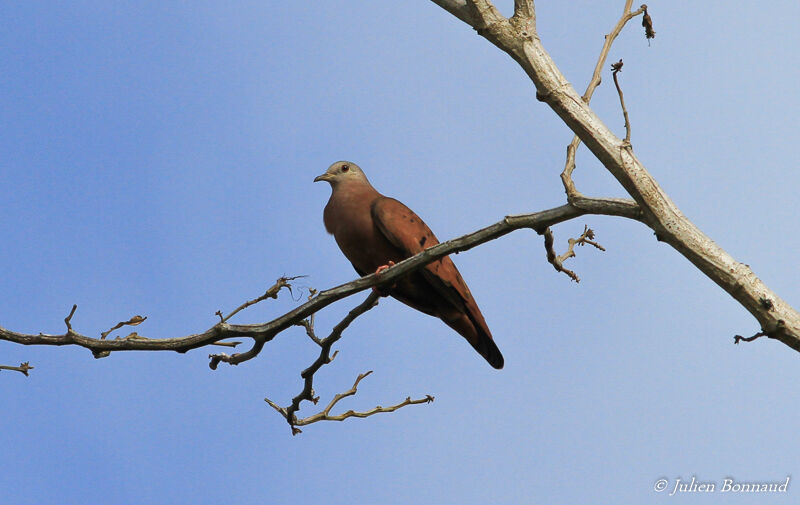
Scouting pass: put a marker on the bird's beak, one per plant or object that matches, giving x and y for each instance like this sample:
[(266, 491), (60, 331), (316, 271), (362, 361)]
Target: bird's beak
[(324, 177)]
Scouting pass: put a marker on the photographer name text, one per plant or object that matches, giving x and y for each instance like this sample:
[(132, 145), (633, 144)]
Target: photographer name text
[(729, 485)]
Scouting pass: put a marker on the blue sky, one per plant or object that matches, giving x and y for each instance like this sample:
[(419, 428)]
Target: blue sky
[(156, 158)]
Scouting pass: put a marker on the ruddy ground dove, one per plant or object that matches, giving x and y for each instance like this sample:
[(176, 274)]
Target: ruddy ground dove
[(374, 231)]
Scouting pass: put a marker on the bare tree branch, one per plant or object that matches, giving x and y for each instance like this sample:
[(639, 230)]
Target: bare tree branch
[(616, 69), (587, 237), (308, 323), (134, 321), (264, 332), (594, 82), (660, 213), (324, 415), (524, 9), (480, 14), (325, 357), (325, 354), (457, 8), (227, 344), (739, 338), (272, 292), (22, 368)]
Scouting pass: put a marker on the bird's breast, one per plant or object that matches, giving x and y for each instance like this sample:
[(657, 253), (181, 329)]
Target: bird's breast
[(348, 217)]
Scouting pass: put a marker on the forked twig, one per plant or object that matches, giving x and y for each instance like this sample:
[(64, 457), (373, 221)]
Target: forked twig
[(594, 82), (22, 368), (325, 357), (587, 237), (325, 415)]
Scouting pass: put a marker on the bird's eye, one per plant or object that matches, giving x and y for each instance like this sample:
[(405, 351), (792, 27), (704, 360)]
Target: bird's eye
[(345, 168)]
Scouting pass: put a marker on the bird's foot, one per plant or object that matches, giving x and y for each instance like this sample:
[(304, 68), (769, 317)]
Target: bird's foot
[(378, 271), (383, 268)]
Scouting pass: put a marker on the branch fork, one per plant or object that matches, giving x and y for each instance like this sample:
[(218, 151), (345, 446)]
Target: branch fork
[(325, 357), (658, 211), (587, 237)]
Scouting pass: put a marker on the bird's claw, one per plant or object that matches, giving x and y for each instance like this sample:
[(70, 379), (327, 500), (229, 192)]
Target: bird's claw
[(383, 268)]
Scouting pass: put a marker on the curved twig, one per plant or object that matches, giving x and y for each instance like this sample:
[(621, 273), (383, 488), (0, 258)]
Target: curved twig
[(616, 69)]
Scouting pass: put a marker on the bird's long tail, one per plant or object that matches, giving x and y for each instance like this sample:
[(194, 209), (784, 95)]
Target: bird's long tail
[(480, 339)]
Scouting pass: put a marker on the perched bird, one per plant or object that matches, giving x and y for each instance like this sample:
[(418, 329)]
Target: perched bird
[(374, 231)]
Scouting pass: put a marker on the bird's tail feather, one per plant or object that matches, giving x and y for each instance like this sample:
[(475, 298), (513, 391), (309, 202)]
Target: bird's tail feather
[(480, 340)]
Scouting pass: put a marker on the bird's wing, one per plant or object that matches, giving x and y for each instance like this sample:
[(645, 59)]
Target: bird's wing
[(407, 232), (410, 235)]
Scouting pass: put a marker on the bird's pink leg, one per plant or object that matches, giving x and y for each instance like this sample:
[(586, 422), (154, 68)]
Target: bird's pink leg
[(383, 268), (379, 271)]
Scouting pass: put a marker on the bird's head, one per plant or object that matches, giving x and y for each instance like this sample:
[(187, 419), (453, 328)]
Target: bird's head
[(342, 172)]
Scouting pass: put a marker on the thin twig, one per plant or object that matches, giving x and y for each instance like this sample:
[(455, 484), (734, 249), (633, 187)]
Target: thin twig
[(558, 261), (235, 359), (271, 292), (227, 344), (617, 68), (68, 319), (135, 320), (594, 82), (22, 368), (739, 338), (324, 415), (308, 323)]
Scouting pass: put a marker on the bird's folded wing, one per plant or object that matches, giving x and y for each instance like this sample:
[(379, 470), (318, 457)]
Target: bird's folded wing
[(408, 233)]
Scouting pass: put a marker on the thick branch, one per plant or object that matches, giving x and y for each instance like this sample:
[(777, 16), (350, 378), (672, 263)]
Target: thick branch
[(262, 333), (779, 320), (457, 8), (524, 9)]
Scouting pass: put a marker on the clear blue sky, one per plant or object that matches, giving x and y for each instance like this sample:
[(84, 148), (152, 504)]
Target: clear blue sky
[(156, 158)]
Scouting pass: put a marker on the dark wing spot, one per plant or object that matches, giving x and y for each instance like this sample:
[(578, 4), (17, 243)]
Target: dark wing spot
[(422, 241)]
